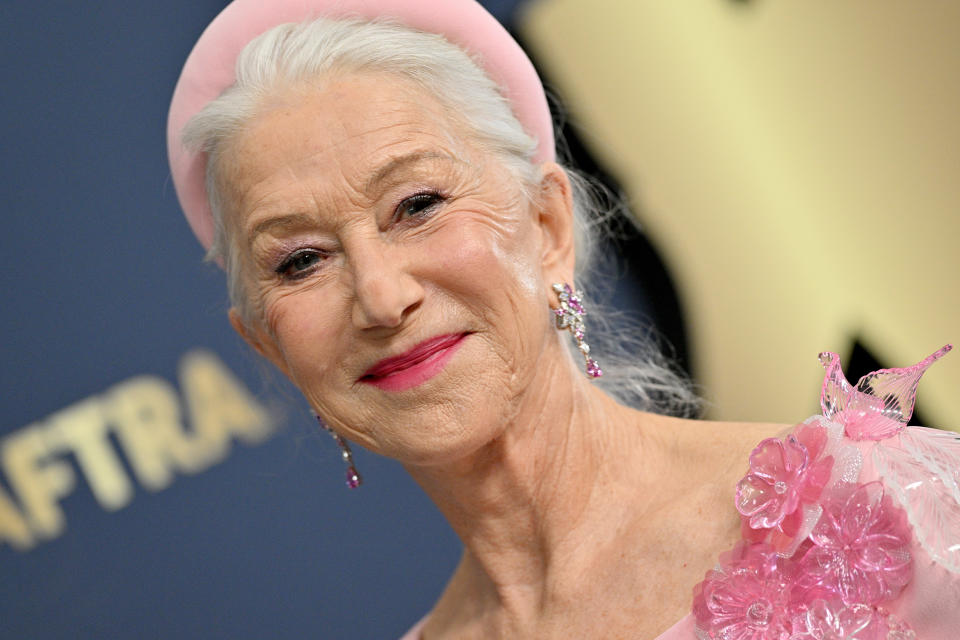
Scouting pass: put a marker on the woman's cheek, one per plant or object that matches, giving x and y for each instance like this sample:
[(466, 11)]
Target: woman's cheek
[(296, 325), (486, 244), (277, 313)]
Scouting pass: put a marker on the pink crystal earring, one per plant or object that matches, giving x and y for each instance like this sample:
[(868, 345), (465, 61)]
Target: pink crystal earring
[(353, 478), (570, 316)]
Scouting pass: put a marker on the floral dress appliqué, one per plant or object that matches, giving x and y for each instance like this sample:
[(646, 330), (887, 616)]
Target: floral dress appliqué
[(834, 517)]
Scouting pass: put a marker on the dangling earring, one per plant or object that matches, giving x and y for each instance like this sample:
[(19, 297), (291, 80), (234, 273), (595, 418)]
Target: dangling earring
[(570, 316), (353, 478)]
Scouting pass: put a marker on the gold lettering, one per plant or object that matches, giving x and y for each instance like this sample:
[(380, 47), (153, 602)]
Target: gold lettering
[(218, 404), (38, 480), (145, 415), (145, 412), (13, 528), (82, 430)]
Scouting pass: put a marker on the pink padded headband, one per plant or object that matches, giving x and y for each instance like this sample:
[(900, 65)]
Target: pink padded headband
[(209, 70)]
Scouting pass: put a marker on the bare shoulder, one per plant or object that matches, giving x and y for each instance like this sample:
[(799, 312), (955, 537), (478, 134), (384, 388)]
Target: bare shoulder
[(716, 453), (695, 519)]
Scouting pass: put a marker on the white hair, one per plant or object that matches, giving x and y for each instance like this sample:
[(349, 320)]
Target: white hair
[(300, 53)]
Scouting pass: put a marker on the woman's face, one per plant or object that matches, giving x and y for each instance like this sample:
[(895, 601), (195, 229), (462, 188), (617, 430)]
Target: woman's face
[(368, 227)]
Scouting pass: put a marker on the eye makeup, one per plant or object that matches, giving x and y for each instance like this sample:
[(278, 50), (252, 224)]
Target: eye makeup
[(294, 258), (300, 263), (419, 206)]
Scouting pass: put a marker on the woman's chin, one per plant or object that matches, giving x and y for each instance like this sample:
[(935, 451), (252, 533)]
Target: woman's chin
[(445, 447)]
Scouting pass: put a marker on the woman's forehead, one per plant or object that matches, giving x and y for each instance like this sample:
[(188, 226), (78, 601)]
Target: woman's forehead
[(342, 143), (349, 129)]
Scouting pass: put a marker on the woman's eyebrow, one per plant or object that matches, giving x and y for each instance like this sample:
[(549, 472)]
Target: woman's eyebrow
[(400, 162), (381, 174), (286, 220)]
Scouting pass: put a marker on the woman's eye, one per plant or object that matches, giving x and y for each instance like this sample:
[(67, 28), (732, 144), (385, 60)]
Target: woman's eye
[(299, 263), (417, 205)]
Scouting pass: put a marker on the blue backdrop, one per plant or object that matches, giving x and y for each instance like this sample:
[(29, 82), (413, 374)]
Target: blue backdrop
[(225, 525)]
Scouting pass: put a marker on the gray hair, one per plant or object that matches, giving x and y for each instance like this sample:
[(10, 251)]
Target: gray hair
[(293, 54)]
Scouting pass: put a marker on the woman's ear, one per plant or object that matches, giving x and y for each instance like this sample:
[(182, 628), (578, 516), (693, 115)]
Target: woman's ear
[(555, 220), (259, 339)]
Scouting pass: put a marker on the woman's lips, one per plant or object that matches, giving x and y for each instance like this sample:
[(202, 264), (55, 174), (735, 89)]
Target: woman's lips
[(416, 366)]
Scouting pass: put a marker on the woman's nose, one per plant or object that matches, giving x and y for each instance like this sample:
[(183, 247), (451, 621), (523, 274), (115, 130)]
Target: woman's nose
[(384, 290)]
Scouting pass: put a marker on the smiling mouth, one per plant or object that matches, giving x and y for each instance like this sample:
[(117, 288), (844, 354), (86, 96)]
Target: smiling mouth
[(416, 366)]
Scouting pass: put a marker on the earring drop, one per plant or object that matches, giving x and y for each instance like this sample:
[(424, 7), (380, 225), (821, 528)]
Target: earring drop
[(353, 478), (570, 316)]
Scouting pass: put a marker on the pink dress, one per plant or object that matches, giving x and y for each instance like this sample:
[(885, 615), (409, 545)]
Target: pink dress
[(851, 526)]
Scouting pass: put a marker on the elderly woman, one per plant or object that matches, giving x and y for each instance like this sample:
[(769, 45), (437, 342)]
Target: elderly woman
[(377, 177)]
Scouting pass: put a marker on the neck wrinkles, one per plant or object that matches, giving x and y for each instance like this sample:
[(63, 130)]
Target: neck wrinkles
[(538, 502)]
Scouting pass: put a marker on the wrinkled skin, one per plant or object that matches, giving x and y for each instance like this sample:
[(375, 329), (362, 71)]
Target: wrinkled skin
[(384, 275)]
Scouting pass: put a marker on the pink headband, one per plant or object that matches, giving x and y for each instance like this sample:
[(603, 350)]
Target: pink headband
[(209, 70)]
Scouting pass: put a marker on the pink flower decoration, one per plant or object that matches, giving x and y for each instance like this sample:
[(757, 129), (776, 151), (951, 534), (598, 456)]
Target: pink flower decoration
[(748, 598), (823, 620), (784, 475), (860, 547), (834, 621)]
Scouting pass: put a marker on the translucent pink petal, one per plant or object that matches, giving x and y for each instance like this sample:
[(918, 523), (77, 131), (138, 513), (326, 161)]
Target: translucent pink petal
[(819, 564), (857, 586), (827, 531), (813, 437), (791, 523), (834, 621), (750, 534), (768, 517), (860, 511), (753, 494), (722, 600), (794, 455), (815, 479), (791, 500), (780, 541), (736, 631), (876, 558), (767, 460)]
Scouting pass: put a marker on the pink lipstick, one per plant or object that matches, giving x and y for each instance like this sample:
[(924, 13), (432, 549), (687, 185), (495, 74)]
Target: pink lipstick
[(416, 366)]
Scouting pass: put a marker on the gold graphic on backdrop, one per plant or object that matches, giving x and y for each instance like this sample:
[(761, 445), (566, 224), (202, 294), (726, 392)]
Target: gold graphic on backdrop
[(796, 167), (157, 437)]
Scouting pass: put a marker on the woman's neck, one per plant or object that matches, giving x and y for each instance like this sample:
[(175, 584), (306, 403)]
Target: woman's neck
[(538, 505)]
